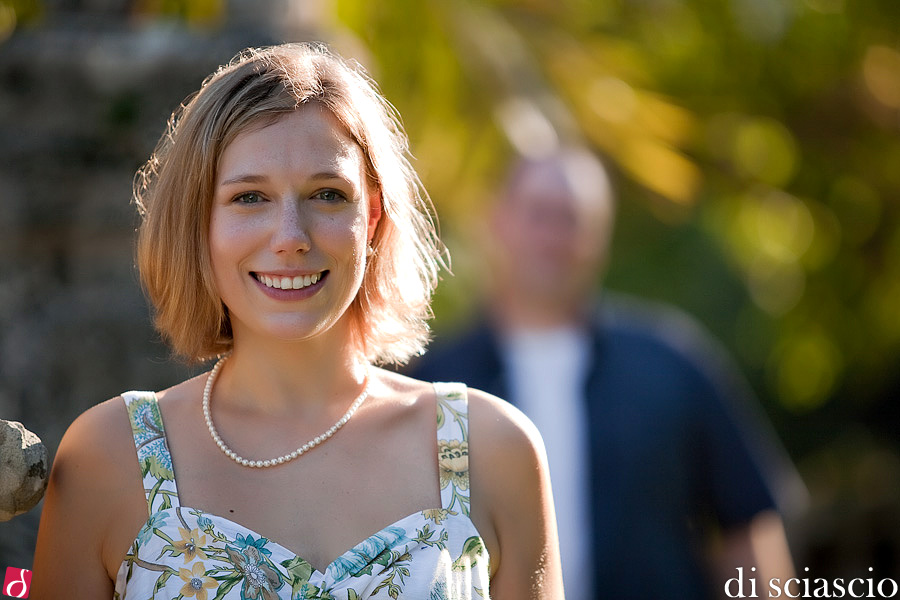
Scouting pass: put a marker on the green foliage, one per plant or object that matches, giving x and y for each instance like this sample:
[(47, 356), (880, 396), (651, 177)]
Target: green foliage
[(754, 146)]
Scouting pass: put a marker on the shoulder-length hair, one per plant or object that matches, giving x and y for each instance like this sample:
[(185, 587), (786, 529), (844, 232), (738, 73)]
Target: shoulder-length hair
[(174, 192)]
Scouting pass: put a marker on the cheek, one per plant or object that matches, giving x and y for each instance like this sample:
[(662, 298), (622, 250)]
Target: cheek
[(340, 235), (216, 242), (227, 238)]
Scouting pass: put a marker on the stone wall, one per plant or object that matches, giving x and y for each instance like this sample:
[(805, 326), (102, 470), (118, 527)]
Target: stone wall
[(83, 98)]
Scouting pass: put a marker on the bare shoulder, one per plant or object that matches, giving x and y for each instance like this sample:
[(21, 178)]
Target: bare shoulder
[(401, 384), (94, 490), (503, 430), (500, 431), (93, 445), (96, 465), (506, 452), (512, 501), (499, 420), (501, 436), (403, 391), (176, 401)]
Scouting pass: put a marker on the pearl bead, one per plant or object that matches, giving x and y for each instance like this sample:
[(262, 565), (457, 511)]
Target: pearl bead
[(207, 416)]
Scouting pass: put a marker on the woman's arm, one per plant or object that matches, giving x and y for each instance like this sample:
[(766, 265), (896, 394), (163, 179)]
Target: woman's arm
[(511, 496), (93, 473)]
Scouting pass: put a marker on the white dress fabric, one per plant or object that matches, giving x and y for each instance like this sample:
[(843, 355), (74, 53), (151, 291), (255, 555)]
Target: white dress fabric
[(183, 552)]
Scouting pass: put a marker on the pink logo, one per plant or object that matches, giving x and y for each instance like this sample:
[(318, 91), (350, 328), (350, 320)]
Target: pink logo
[(17, 582)]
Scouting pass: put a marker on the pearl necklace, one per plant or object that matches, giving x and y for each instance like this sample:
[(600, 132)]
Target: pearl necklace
[(281, 459)]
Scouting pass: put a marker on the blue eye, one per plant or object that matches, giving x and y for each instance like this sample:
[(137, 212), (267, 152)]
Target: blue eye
[(248, 198), (330, 196)]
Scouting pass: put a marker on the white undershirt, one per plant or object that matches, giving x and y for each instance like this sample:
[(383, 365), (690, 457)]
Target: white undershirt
[(546, 373)]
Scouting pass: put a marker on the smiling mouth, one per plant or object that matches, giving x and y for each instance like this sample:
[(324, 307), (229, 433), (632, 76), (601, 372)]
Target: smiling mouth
[(289, 283)]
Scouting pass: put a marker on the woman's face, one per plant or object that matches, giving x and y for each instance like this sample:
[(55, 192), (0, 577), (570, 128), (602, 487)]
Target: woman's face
[(290, 221)]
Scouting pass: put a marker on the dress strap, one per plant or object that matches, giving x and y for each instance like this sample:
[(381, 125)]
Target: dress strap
[(152, 450), (453, 445)]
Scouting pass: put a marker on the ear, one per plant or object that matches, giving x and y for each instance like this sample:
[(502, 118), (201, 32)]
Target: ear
[(374, 212)]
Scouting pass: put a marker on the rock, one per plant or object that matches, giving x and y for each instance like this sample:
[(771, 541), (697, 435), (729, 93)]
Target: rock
[(24, 468)]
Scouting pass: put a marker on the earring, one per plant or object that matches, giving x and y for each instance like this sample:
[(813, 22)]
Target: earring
[(370, 251)]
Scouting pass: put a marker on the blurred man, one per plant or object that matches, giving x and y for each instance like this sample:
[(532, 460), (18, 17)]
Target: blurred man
[(656, 461)]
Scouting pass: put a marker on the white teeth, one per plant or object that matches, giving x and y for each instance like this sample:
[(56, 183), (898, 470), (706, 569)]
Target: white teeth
[(289, 283)]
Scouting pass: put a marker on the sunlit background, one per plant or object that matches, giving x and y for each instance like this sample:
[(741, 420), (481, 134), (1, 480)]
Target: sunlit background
[(754, 145)]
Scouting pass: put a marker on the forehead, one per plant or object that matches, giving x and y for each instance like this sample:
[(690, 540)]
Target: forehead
[(562, 185), (306, 141)]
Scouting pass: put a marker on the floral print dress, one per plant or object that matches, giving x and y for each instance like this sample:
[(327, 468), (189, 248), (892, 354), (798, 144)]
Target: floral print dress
[(183, 552)]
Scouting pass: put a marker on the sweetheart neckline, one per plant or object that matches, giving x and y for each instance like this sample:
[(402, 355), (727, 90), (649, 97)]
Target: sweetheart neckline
[(347, 564), (290, 553)]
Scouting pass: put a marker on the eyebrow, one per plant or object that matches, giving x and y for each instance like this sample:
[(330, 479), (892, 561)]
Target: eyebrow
[(243, 179), (253, 178)]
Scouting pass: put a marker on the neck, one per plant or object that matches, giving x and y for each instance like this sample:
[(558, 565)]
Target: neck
[(280, 377), (515, 311)]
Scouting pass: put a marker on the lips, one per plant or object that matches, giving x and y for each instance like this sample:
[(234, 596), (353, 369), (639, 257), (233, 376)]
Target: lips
[(283, 282)]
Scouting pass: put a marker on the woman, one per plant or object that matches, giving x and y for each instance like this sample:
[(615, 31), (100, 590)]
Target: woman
[(285, 231)]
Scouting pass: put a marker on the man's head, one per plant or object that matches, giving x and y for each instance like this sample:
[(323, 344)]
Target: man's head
[(551, 231)]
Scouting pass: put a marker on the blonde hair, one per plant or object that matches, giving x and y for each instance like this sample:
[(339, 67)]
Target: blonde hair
[(174, 191)]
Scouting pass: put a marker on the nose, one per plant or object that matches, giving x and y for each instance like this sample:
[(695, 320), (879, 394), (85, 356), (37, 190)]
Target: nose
[(290, 231)]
